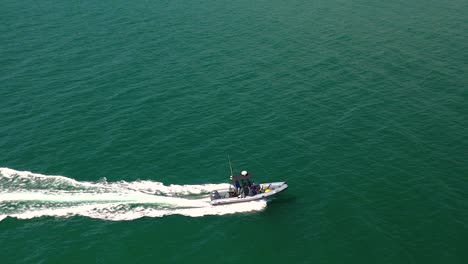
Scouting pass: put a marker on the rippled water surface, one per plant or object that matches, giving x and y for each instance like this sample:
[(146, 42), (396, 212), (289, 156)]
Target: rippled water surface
[(116, 119)]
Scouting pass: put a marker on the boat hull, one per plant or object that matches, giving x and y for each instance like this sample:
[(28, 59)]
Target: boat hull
[(275, 188)]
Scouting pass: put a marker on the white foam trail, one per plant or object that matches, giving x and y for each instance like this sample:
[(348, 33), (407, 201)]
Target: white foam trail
[(160, 188), (10, 173), (113, 212), (139, 185), (137, 198), (26, 195)]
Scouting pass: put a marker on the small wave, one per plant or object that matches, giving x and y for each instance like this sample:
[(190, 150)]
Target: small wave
[(26, 195)]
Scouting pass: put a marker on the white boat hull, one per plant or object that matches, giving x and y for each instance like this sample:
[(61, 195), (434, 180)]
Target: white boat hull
[(275, 188)]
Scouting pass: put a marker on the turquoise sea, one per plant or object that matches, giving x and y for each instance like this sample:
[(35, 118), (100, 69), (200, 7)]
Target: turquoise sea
[(117, 117)]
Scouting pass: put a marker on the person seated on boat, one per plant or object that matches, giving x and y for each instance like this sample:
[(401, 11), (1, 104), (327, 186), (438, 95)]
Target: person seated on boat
[(253, 192), (252, 188)]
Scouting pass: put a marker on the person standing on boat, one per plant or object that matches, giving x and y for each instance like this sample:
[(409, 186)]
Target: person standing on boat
[(245, 190), (237, 187)]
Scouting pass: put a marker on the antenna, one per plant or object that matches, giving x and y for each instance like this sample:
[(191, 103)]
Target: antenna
[(230, 165)]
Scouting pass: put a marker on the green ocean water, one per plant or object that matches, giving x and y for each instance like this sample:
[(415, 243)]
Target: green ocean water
[(361, 106)]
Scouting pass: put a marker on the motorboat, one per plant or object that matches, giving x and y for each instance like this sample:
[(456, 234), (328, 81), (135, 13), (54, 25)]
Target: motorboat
[(243, 189)]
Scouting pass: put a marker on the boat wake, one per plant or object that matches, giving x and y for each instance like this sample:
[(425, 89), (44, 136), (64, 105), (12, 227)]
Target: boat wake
[(26, 195)]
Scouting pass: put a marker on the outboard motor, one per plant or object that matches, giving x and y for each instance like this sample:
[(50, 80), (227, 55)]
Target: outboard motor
[(215, 195)]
